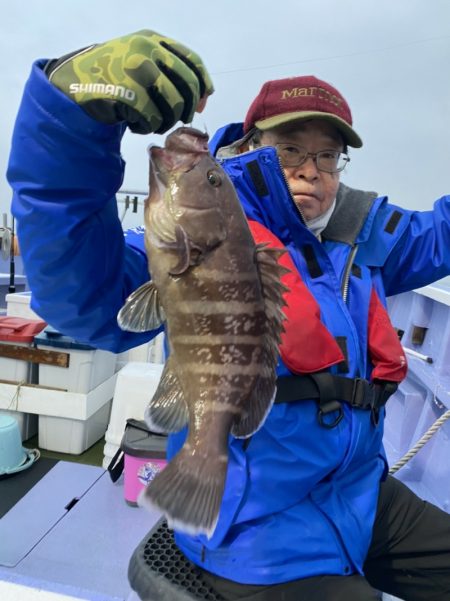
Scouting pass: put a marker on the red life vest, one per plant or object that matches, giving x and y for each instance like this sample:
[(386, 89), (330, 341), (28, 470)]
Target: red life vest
[(307, 346)]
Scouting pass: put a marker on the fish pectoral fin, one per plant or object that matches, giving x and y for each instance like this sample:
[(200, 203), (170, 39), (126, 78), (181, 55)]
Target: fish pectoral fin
[(189, 491), (142, 310), (167, 411), (257, 407)]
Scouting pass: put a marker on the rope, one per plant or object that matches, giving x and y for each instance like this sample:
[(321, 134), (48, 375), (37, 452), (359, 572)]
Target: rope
[(421, 442), (36, 454), (14, 402)]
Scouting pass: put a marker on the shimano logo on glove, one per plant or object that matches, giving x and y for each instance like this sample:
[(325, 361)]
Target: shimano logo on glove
[(102, 88)]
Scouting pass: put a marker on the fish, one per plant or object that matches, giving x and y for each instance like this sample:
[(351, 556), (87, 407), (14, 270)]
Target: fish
[(220, 297)]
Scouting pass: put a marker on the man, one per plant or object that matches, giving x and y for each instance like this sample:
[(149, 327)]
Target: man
[(299, 517)]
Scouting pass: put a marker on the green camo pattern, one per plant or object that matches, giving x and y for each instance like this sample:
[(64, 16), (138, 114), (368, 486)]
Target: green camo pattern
[(125, 72)]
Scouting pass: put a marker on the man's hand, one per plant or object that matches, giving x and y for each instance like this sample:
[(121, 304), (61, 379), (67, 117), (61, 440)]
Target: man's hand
[(148, 80)]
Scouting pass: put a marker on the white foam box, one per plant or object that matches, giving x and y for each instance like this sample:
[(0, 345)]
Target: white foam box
[(18, 305), (69, 422), (14, 370), (73, 436), (88, 367), (149, 352), (136, 384), (17, 331)]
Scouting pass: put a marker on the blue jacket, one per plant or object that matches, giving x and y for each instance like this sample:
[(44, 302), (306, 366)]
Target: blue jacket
[(300, 500)]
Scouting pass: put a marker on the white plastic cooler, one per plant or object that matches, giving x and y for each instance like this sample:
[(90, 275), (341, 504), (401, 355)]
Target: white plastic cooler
[(18, 331), (88, 370), (18, 305), (88, 367)]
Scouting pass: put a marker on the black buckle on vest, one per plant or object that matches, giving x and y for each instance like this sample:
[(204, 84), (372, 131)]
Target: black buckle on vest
[(362, 391), (325, 409), (373, 396), (381, 394), (327, 400)]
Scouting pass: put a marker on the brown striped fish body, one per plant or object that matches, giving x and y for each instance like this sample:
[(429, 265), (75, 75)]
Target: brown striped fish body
[(220, 297)]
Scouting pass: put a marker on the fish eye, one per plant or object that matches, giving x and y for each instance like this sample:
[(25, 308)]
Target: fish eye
[(214, 178)]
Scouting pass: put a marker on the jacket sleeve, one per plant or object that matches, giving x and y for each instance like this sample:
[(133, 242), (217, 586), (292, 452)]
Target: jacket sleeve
[(411, 248), (65, 169), (422, 254)]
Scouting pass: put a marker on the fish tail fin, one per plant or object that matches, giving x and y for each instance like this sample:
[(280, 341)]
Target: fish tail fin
[(188, 492)]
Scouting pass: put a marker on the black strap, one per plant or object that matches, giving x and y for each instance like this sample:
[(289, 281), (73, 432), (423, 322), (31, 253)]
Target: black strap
[(356, 271), (115, 467), (330, 390), (342, 367), (315, 271), (394, 219), (254, 170)]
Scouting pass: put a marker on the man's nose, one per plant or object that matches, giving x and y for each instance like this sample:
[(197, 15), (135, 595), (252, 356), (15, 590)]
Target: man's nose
[(308, 169)]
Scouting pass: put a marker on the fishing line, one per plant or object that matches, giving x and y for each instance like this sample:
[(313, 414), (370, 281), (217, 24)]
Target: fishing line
[(332, 57)]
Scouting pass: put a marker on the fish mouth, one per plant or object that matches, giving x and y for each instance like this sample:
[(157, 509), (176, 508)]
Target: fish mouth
[(183, 150), (187, 139)]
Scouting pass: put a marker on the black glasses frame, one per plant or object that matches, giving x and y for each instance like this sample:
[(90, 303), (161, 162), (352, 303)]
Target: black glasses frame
[(316, 157)]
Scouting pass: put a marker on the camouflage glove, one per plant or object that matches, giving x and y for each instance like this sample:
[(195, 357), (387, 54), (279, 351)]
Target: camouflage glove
[(148, 80)]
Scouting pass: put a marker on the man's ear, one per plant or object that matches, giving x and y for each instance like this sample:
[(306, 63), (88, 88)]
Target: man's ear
[(251, 141), (246, 146)]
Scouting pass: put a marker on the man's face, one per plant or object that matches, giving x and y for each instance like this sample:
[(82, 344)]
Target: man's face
[(313, 191)]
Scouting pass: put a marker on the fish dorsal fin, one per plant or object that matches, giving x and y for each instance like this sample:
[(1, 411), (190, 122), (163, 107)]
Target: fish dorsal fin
[(262, 396), (167, 411), (142, 310), (271, 272)]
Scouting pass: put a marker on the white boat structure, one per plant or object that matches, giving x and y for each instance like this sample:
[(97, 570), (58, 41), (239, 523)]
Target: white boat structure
[(417, 429)]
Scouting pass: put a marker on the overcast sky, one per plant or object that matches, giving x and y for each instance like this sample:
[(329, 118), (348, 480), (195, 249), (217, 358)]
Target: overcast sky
[(389, 58)]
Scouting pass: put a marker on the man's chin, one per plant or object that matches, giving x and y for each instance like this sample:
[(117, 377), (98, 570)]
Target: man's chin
[(307, 212)]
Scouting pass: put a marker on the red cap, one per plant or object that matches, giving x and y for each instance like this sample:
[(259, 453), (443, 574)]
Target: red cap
[(300, 99)]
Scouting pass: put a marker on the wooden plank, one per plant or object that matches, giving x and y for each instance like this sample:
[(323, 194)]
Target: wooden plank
[(15, 383), (34, 355), (45, 401)]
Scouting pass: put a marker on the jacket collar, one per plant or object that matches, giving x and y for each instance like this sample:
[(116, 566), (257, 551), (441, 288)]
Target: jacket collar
[(350, 214), (349, 221)]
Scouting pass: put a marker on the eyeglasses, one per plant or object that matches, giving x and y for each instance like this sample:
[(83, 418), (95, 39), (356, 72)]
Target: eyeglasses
[(331, 161)]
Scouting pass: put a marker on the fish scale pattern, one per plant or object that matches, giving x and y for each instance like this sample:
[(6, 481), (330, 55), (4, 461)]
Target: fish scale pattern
[(159, 571)]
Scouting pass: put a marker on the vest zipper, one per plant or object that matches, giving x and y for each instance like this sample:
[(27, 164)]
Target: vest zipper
[(290, 193), (302, 217), (346, 277)]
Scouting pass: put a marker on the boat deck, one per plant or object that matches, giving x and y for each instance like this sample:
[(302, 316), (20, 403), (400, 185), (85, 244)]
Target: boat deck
[(72, 536)]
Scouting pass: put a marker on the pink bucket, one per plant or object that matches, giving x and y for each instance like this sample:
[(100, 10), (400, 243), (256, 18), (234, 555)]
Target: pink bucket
[(145, 456)]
